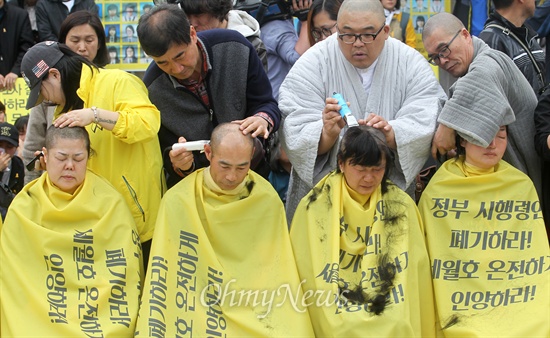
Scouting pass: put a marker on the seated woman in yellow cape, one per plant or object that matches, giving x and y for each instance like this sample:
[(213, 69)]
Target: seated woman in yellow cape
[(359, 249), (69, 250), (487, 245)]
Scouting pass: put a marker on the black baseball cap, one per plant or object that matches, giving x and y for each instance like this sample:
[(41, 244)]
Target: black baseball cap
[(9, 133), (35, 65)]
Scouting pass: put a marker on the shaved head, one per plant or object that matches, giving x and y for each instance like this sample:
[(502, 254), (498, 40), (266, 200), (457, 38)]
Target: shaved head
[(363, 6), (443, 22), (230, 155), (230, 134)]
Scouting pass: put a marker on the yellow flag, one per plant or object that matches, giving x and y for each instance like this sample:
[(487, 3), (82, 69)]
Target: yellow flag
[(70, 264), (365, 266), (221, 265), (489, 252)]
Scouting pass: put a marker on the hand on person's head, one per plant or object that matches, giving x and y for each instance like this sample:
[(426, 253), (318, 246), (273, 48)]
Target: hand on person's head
[(254, 125), (75, 118), (181, 158), (378, 122)]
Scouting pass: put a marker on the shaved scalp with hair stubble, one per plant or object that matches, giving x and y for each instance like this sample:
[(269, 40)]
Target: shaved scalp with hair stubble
[(70, 133), (230, 132), (445, 22), (363, 6)]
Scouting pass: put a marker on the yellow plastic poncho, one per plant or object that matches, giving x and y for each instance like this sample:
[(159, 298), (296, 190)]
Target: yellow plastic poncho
[(221, 265), (128, 156), (70, 264), (489, 252), (343, 249)]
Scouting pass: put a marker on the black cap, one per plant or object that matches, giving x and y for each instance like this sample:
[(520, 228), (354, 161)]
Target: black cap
[(35, 65), (9, 133)]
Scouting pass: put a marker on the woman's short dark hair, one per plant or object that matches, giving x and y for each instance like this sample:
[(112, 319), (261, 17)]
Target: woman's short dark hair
[(54, 133), (216, 8), (164, 26), (366, 146), (70, 68), (330, 6), (21, 123), (80, 18), (460, 150)]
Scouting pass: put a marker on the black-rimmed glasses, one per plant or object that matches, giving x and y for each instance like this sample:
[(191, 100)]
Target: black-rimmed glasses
[(318, 33), (350, 38), (443, 52)]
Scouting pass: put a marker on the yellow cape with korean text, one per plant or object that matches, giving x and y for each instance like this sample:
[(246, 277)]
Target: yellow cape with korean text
[(222, 265), (489, 252), (70, 264), (358, 260)]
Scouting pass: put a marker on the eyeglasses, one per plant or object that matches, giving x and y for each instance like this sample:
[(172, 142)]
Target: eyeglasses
[(443, 52), (318, 33), (350, 38)]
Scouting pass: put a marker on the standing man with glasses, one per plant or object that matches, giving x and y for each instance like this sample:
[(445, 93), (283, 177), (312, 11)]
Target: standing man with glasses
[(387, 84), (490, 92)]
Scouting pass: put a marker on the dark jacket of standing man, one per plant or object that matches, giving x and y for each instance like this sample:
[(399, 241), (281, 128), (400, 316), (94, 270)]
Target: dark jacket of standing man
[(508, 21), (15, 38), (202, 79), (51, 13)]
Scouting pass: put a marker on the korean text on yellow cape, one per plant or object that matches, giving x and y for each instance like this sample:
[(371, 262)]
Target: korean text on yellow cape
[(71, 264), (489, 252), (365, 264), (221, 265)]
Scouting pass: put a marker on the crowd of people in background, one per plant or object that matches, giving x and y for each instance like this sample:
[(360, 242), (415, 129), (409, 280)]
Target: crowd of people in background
[(231, 191)]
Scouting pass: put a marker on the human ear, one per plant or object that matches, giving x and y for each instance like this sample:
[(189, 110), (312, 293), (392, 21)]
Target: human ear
[(208, 152)]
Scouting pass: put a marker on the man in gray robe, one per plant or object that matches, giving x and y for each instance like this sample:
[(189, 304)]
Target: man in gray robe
[(490, 92), (387, 84)]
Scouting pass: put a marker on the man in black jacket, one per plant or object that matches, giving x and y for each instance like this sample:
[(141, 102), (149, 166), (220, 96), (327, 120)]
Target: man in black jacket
[(505, 31), (51, 13), (200, 80), (15, 38)]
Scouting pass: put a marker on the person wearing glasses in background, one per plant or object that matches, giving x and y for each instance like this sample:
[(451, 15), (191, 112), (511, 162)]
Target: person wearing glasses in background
[(491, 91), (321, 19), (387, 84)]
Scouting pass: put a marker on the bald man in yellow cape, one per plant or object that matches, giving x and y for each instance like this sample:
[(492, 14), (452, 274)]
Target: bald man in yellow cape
[(489, 252), (365, 266), (221, 262), (70, 263)]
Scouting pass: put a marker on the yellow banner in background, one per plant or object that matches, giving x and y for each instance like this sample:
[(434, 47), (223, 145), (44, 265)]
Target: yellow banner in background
[(15, 100)]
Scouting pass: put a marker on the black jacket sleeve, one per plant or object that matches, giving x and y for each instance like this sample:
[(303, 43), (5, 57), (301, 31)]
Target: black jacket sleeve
[(542, 125)]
